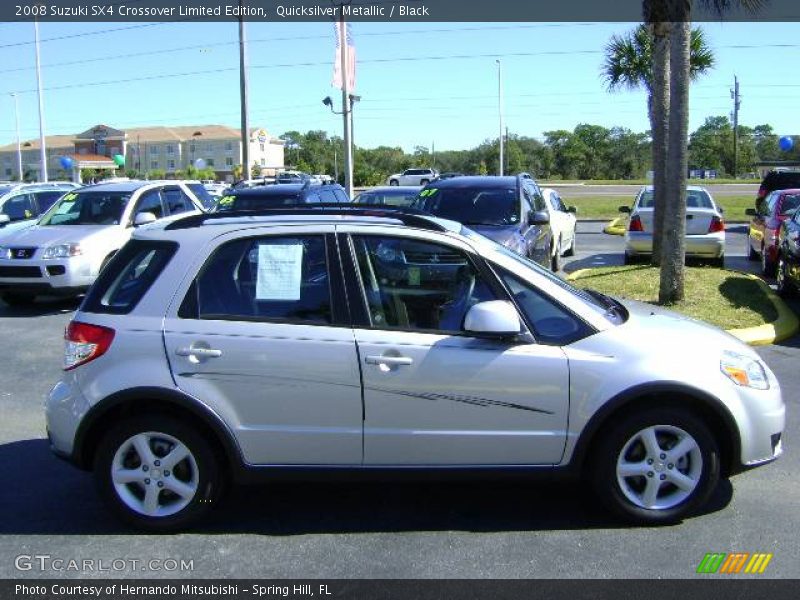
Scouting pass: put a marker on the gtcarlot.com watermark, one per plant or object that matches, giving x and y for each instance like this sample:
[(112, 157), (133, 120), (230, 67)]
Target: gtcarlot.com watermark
[(57, 564)]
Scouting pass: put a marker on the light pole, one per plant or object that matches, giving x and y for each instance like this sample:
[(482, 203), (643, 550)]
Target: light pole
[(347, 112), (42, 149), (19, 148), (348, 148), (243, 93), (500, 108)]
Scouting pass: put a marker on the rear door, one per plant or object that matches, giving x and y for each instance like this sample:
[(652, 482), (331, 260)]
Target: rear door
[(261, 335)]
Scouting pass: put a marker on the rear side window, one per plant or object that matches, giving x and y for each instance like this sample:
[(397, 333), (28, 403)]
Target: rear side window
[(124, 281)]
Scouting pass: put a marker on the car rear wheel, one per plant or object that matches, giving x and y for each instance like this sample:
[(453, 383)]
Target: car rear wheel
[(752, 255), (784, 286), (18, 299), (157, 473), (767, 266), (656, 466), (555, 261)]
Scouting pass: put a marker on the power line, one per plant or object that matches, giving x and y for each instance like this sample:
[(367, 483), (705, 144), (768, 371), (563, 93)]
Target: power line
[(84, 34)]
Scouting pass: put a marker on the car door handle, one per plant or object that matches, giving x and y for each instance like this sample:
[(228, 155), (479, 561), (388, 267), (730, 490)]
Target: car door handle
[(391, 361), (199, 352)]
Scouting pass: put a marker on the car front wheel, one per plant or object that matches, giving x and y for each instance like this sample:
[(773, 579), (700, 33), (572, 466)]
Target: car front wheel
[(784, 286), (394, 182), (157, 473), (656, 466)]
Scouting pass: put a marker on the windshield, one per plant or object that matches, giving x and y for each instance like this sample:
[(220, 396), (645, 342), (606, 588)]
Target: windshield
[(88, 208), (694, 199), (789, 204), (597, 302), (201, 193), (472, 206), (387, 198), (233, 202)]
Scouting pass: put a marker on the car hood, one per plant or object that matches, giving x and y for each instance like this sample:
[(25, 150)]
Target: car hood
[(49, 235), (16, 226), (507, 236)]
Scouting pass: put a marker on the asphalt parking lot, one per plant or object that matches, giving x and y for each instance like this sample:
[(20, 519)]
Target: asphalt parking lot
[(397, 530)]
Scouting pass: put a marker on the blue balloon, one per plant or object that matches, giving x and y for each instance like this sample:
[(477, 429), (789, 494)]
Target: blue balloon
[(786, 143), (66, 163)]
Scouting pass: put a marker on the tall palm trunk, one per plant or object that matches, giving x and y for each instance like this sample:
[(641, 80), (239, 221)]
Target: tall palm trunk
[(673, 248), (659, 124)]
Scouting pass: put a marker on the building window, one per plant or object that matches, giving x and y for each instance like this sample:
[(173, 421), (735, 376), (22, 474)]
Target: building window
[(228, 146), (7, 159), (153, 164), (210, 162), (153, 149), (263, 162), (209, 147), (191, 148), (8, 172), (228, 161), (261, 146), (170, 149), (171, 165)]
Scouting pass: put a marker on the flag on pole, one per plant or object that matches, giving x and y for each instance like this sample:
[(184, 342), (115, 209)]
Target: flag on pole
[(351, 58)]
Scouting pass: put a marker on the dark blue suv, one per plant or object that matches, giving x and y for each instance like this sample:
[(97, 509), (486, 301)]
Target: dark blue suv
[(290, 194), (509, 210)]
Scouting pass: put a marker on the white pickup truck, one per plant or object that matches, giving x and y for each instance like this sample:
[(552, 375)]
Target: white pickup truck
[(413, 177)]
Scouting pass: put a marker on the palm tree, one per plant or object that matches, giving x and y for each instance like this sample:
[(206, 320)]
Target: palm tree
[(673, 242), (640, 58)]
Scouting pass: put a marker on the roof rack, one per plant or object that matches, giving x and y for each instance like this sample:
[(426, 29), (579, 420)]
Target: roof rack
[(407, 216)]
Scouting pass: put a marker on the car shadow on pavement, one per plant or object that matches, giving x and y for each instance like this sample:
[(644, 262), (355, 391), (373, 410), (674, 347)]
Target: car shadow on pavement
[(40, 308), (52, 498)]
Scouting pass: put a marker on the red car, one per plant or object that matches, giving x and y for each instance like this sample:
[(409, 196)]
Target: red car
[(771, 211)]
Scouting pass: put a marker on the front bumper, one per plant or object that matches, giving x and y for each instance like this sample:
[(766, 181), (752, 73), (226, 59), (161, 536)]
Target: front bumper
[(68, 276), (710, 245)]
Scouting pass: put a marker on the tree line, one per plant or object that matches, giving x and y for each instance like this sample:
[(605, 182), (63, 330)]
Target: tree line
[(586, 152)]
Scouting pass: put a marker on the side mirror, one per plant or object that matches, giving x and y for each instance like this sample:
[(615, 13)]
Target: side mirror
[(538, 217), (572, 209), (495, 317), (750, 212), (625, 209), (143, 218), (4, 220)]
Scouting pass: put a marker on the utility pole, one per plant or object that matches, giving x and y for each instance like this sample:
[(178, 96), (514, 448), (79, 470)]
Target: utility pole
[(508, 169), (737, 101), (433, 154), (42, 148), (243, 93), (500, 108), (19, 148)]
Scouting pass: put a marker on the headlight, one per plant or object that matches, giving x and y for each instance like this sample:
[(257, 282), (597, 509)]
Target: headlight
[(62, 251), (743, 370), (5, 252)]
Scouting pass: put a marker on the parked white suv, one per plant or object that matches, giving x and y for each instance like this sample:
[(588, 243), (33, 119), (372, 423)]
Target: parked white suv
[(413, 177), (231, 346), (64, 252)]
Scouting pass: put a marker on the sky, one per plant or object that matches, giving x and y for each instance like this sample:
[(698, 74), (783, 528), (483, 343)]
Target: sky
[(420, 83)]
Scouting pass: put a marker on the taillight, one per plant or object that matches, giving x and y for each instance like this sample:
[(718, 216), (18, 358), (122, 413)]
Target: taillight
[(636, 224), (83, 343), (716, 225)]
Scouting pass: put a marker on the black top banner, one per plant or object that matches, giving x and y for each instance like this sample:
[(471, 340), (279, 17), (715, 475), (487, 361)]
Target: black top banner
[(379, 10)]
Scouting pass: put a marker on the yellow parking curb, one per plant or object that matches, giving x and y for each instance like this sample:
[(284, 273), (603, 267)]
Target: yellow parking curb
[(785, 326), (616, 227)]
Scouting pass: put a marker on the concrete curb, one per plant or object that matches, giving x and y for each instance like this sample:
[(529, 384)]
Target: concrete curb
[(785, 326), (616, 227)]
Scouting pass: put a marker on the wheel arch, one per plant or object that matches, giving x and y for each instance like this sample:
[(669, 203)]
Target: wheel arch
[(665, 395), (150, 400)]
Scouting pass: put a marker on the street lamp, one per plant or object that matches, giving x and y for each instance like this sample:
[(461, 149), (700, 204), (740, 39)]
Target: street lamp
[(19, 148), (347, 111), (500, 108)]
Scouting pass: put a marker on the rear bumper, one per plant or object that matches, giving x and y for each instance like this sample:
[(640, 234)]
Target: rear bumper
[(710, 245)]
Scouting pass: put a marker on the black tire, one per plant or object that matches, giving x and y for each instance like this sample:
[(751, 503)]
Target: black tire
[(18, 299), (629, 259), (767, 266), (718, 262), (703, 465), (572, 248), (555, 261), (752, 255), (203, 474), (784, 287), (394, 182), (424, 182)]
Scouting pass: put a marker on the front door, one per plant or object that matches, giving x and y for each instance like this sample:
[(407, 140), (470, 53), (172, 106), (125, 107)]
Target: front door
[(434, 395)]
